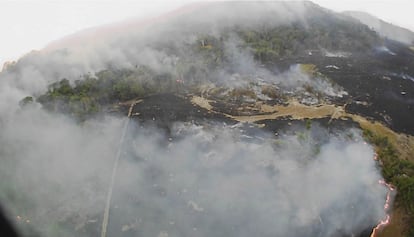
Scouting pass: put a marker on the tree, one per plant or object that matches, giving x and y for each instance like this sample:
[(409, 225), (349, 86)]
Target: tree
[(26, 101)]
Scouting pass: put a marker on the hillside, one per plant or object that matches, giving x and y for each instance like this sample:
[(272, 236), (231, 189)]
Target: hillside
[(385, 29), (221, 123)]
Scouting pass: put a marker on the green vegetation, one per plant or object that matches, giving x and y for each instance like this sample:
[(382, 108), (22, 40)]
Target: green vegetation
[(327, 32), (210, 51), (91, 95), (398, 172), (270, 43), (26, 101), (308, 124)]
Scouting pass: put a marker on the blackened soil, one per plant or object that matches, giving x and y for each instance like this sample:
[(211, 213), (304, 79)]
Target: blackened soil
[(380, 87), (162, 110), (378, 84)]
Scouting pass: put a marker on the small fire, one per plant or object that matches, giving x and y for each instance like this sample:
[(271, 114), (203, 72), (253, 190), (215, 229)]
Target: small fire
[(382, 223), (387, 204)]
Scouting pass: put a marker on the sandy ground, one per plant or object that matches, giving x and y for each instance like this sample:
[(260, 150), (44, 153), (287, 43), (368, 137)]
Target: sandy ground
[(202, 102), (294, 110)]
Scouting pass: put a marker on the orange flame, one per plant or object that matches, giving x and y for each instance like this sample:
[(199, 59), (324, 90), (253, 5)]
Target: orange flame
[(387, 205)]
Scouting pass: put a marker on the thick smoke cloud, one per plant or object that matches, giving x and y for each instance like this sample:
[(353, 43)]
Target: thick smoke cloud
[(214, 183), (198, 181), (54, 170)]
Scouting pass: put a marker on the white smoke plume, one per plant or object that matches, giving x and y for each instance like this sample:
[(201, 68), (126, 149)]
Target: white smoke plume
[(208, 181), (135, 43), (196, 181)]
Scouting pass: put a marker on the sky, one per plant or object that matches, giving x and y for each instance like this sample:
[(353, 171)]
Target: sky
[(31, 24)]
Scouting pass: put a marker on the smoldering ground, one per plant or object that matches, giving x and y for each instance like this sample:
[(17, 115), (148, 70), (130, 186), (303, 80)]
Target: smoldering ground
[(197, 181)]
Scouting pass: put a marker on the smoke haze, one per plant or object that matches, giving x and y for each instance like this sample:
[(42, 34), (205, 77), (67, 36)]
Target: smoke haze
[(212, 180), (198, 181), (137, 43)]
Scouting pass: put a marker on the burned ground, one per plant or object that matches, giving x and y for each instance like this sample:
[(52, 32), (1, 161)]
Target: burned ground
[(380, 84), (163, 110)]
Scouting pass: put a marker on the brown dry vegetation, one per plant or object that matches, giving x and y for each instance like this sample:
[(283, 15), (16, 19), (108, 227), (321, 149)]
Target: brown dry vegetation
[(202, 102), (242, 92), (271, 92)]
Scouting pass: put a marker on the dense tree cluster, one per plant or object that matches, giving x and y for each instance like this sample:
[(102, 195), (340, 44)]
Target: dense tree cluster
[(271, 43), (92, 94)]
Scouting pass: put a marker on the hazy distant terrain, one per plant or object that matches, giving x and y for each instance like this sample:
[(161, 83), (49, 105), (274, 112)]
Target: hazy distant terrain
[(385, 29)]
